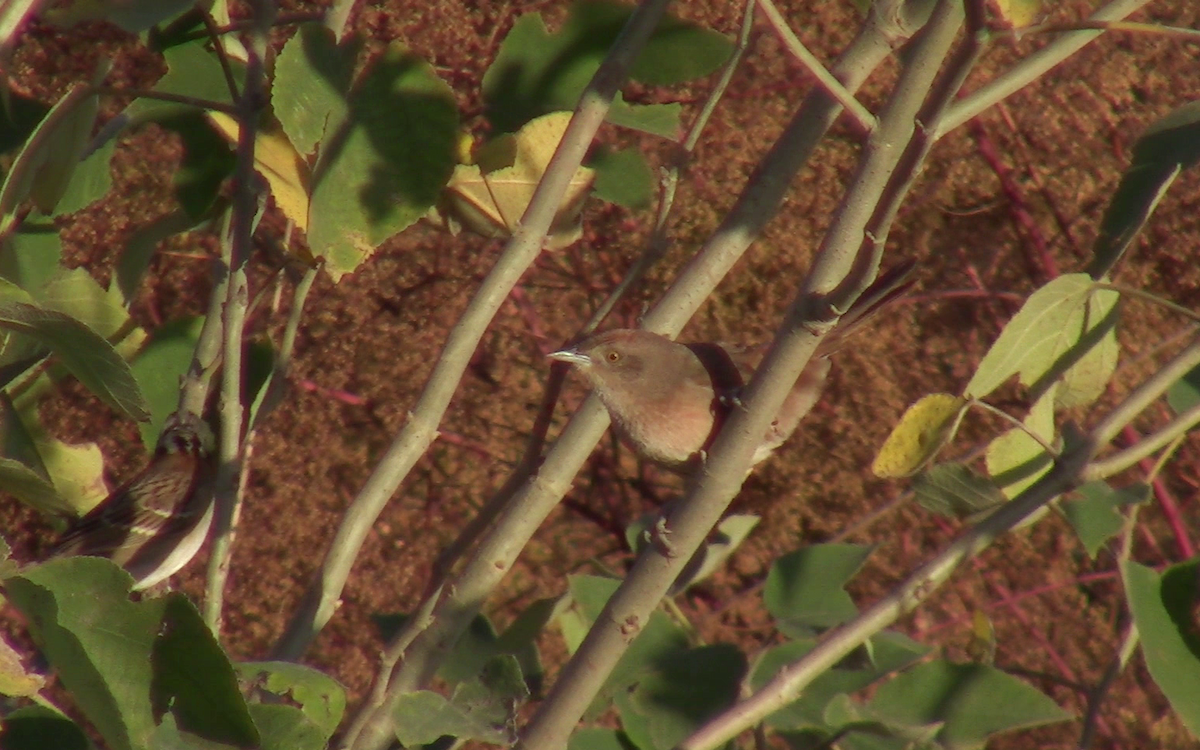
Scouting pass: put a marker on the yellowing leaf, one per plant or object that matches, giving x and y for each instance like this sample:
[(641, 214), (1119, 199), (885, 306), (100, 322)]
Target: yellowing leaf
[(927, 426), (278, 161), (76, 470), (490, 196), (1019, 13)]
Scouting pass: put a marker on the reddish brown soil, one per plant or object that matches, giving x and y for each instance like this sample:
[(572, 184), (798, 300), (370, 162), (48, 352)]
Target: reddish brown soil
[(1060, 144)]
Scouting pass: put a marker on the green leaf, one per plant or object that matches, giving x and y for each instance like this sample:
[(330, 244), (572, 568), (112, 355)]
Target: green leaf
[(1055, 329), (672, 700), (82, 351), (31, 488), (312, 78), (892, 652), (75, 293), (320, 697), (99, 642), (1015, 460), (623, 177), (387, 164), (21, 117), (30, 256), (286, 728), (38, 728), (974, 701), (134, 16), (1094, 513), (483, 709), (956, 491), (44, 167), (194, 680), (1167, 148), (1185, 392), (536, 71), (207, 161), (193, 71), (159, 366), (140, 247), (658, 640), (1162, 608), (90, 181), (804, 588)]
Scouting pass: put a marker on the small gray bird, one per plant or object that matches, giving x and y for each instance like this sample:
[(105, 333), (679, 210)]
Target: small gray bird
[(668, 400)]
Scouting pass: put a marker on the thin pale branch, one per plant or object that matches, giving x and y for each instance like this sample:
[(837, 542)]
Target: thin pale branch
[(832, 86), (245, 207), (837, 278), (1124, 459), (421, 430)]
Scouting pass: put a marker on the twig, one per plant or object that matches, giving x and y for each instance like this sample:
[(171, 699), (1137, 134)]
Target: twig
[(420, 431), (245, 205), (1034, 66), (1096, 695), (837, 278), (832, 86)]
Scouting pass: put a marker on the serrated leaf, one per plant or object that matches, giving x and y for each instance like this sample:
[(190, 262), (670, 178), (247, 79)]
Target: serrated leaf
[(29, 487), (1015, 460), (490, 196), (79, 613), (320, 697), (1163, 611), (75, 293), (394, 153), (1053, 330), (955, 491), (805, 588), (312, 78), (43, 168), (1169, 146), (924, 430), (1093, 511), (82, 351), (194, 681), (974, 701), (275, 159)]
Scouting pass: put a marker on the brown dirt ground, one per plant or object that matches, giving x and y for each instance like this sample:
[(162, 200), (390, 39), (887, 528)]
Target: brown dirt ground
[(1063, 143)]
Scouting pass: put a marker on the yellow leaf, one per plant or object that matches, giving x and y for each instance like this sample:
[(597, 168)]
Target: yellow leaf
[(923, 430), (490, 196), (77, 471), (1019, 13), (277, 160)]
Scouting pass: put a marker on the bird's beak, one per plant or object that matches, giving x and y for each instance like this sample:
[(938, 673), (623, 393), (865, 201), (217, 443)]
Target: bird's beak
[(570, 356)]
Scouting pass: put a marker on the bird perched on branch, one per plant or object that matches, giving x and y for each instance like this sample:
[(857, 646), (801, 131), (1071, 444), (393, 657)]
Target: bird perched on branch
[(668, 400), (156, 522)]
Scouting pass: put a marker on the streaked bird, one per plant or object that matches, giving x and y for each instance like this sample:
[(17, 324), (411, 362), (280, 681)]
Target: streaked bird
[(154, 524)]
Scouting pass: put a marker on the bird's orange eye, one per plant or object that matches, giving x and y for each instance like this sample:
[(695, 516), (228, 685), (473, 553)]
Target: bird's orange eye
[(613, 356)]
